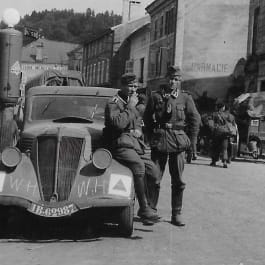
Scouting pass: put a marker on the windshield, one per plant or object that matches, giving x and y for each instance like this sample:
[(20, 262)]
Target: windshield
[(63, 81), (53, 107)]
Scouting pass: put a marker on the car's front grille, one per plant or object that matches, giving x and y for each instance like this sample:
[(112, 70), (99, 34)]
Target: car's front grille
[(262, 126), (25, 144), (56, 178)]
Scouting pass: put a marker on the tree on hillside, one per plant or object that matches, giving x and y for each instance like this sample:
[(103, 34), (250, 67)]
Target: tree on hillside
[(66, 25)]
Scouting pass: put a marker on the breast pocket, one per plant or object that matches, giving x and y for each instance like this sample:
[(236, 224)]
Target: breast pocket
[(180, 114)]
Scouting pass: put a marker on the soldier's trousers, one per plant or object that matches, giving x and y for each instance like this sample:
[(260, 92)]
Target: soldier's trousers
[(193, 144), (219, 148), (176, 167), (144, 170)]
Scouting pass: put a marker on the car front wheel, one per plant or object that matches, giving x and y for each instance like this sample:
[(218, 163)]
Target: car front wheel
[(126, 221)]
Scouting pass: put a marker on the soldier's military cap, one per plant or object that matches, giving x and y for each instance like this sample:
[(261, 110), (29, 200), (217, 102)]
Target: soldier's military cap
[(220, 105), (173, 70), (128, 78)]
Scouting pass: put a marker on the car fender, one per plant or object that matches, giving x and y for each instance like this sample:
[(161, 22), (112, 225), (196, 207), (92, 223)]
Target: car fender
[(96, 188), (20, 182)]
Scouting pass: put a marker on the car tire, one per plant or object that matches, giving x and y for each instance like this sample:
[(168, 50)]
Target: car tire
[(3, 221), (126, 221)]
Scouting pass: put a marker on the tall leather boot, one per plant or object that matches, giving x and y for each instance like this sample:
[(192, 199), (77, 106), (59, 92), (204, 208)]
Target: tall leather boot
[(145, 210), (153, 195), (176, 205)]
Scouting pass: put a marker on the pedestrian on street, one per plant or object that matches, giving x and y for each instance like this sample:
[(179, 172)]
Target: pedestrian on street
[(167, 113), (223, 127), (232, 139), (123, 129)]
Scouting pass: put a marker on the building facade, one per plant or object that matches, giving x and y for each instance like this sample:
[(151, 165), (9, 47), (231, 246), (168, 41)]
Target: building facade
[(134, 53), (163, 27), (139, 54), (97, 59), (205, 38), (255, 68), (76, 59), (103, 58), (44, 54)]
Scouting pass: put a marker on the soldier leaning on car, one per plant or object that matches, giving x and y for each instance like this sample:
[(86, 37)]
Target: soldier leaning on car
[(123, 124), (167, 114)]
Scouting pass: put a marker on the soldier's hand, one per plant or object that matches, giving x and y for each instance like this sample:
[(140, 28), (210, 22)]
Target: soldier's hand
[(133, 100), (136, 133), (169, 108)]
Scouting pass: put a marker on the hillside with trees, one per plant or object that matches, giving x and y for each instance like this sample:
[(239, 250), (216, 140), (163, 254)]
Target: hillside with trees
[(66, 25)]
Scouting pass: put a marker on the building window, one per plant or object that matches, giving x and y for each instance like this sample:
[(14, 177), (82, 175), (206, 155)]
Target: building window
[(157, 63), (255, 30), (262, 85), (99, 73), (102, 72), (170, 21), (161, 26), (90, 51), (94, 74), (86, 55), (107, 71), (87, 74), (90, 75), (129, 66), (163, 60), (156, 30), (141, 79)]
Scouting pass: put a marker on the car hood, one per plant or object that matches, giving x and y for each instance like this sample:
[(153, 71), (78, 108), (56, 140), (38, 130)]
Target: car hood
[(65, 129)]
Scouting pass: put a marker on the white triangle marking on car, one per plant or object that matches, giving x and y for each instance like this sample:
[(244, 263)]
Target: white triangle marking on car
[(120, 185)]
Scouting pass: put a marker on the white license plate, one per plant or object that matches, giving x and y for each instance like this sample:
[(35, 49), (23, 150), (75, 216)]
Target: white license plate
[(47, 211)]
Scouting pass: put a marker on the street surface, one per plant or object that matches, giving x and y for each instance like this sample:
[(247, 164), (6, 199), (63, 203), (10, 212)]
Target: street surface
[(224, 210)]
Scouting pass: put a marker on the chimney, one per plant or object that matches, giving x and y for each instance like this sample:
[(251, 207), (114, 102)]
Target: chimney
[(132, 9), (39, 52)]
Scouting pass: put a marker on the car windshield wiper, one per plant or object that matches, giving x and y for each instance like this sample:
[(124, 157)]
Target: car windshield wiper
[(47, 106), (94, 111)]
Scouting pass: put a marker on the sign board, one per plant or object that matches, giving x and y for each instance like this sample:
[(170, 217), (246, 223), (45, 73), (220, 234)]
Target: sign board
[(32, 33)]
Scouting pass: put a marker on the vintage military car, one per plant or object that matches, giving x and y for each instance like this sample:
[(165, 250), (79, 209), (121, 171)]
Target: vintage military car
[(60, 168)]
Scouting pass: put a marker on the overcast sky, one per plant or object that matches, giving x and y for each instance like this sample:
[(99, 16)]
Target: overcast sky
[(27, 6)]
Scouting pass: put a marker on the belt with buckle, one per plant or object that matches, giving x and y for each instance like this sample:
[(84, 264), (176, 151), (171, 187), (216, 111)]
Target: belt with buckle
[(168, 125)]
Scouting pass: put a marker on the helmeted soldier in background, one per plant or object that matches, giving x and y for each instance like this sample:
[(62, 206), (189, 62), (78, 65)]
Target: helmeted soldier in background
[(167, 113), (123, 129)]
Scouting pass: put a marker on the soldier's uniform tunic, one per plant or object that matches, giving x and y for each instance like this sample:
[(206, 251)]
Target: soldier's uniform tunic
[(168, 139), (121, 123)]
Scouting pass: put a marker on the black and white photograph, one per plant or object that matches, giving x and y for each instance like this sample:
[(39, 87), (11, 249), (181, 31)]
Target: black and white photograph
[(132, 132)]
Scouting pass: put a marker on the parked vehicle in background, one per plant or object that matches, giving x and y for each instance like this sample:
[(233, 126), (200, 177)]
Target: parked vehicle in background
[(56, 78), (249, 110), (60, 168), (48, 78)]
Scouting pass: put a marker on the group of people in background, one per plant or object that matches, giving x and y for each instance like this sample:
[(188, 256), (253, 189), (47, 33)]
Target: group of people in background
[(145, 134)]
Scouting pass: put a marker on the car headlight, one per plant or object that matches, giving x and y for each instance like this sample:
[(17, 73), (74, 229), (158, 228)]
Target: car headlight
[(11, 156), (101, 158)]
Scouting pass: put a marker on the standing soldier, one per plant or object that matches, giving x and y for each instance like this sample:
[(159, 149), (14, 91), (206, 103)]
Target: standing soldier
[(123, 130), (167, 114), (223, 128)]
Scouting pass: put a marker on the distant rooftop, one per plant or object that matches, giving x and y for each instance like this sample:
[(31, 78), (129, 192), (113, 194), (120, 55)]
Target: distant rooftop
[(47, 51)]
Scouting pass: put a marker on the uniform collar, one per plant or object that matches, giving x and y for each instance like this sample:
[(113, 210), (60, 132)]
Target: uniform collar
[(174, 94), (122, 100)]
